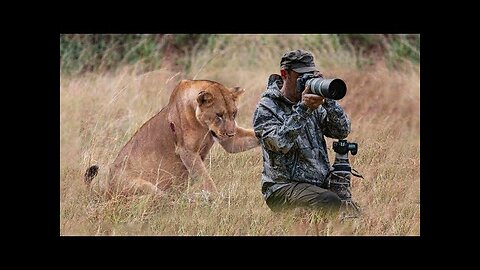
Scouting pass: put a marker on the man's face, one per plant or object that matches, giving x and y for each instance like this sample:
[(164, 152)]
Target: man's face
[(290, 83)]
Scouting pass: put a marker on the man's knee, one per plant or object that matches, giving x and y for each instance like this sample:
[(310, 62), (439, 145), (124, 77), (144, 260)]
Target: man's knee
[(302, 194), (329, 199), (333, 199)]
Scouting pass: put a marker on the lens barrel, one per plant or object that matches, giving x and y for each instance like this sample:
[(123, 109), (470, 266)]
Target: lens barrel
[(329, 88)]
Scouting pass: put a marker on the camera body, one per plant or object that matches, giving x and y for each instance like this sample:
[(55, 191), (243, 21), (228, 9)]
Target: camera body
[(342, 147), (328, 88)]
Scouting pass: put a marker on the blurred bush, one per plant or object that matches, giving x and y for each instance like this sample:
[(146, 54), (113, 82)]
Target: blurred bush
[(393, 47), (80, 53)]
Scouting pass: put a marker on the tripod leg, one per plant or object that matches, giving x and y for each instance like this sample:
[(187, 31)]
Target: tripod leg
[(351, 210)]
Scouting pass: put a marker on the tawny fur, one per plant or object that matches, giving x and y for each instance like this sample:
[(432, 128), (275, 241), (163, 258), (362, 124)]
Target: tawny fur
[(171, 146)]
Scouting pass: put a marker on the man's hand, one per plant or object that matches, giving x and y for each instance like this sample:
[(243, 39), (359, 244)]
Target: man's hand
[(311, 100)]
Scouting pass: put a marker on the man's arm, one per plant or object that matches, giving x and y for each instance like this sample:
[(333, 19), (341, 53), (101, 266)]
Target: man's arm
[(336, 124), (275, 133)]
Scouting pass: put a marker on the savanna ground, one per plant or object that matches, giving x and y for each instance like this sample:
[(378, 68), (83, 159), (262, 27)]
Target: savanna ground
[(101, 109)]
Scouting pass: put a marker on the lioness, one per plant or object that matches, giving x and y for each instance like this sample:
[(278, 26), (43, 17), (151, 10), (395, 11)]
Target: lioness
[(173, 144)]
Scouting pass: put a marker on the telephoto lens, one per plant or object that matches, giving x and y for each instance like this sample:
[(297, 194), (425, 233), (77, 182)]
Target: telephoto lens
[(328, 88)]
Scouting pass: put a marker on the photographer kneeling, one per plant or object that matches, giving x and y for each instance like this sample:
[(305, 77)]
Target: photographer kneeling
[(291, 123)]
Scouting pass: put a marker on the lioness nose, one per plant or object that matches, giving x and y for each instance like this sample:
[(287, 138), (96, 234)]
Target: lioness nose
[(230, 134)]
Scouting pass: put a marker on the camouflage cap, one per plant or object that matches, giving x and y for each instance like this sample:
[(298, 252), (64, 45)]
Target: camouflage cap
[(299, 61)]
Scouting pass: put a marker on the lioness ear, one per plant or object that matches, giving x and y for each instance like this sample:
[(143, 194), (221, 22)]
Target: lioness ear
[(236, 92), (204, 98)]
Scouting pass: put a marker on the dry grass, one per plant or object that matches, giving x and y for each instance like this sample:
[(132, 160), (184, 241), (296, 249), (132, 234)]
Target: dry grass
[(99, 113)]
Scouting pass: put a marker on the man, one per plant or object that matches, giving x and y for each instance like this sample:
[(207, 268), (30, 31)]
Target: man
[(291, 126)]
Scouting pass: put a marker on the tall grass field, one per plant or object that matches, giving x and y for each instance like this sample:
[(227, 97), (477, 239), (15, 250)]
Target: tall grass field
[(106, 95)]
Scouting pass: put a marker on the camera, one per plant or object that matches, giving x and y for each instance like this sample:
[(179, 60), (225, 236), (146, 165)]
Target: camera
[(328, 88), (342, 147)]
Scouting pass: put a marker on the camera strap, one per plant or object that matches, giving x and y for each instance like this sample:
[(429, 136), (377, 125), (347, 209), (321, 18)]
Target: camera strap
[(356, 173), (348, 168)]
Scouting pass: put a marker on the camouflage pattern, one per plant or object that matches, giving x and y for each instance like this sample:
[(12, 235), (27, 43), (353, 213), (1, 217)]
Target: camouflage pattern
[(299, 61), (292, 138)]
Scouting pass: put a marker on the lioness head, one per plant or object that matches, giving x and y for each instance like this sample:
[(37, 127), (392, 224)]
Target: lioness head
[(217, 110)]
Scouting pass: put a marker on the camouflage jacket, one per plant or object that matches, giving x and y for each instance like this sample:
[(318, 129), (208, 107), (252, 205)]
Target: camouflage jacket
[(292, 139)]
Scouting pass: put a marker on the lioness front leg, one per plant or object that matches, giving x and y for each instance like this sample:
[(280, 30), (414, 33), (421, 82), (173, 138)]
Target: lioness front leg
[(196, 168), (243, 140)]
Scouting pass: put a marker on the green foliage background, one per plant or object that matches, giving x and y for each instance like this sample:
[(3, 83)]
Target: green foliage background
[(80, 53)]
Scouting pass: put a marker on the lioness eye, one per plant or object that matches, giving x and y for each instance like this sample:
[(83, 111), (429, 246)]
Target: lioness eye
[(220, 115), (234, 114)]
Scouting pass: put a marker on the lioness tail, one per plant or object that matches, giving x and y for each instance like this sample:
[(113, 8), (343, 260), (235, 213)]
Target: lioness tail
[(90, 174)]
